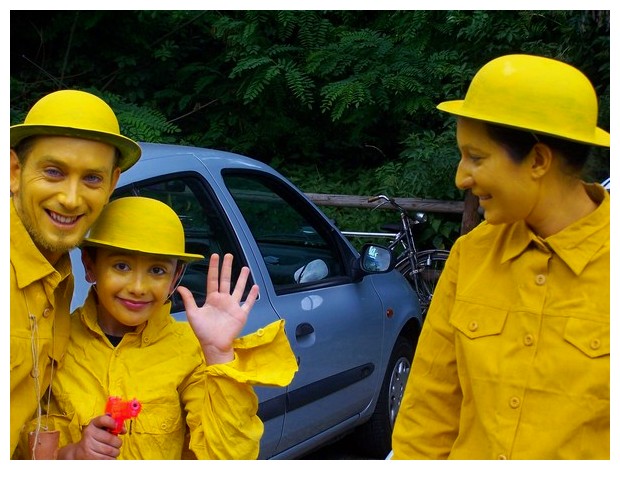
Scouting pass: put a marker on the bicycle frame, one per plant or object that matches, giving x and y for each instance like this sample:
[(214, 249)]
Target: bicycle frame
[(405, 238), (411, 262)]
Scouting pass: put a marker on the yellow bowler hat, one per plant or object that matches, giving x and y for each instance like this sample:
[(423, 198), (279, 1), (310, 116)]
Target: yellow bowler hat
[(140, 224), (73, 113), (533, 93)]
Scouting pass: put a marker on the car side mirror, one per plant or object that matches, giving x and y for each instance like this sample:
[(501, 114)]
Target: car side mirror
[(373, 259)]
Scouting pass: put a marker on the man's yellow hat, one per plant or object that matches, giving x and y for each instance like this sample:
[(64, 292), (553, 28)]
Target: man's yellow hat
[(73, 113)]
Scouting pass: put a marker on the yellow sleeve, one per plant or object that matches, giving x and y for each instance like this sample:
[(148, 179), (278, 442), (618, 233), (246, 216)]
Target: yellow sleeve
[(428, 418), (262, 358), (221, 403)]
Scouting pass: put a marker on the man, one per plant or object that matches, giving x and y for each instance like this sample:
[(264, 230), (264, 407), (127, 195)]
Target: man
[(65, 161)]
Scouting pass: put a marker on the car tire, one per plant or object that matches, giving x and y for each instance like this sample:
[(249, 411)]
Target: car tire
[(374, 438)]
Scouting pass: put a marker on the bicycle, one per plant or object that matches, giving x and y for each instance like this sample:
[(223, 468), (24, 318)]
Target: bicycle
[(421, 268)]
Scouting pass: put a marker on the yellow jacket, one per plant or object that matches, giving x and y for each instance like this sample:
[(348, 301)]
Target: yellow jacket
[(513, 359), (161, 364), (44, 292)]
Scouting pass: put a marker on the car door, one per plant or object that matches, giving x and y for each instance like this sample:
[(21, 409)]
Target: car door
[(334, 325)]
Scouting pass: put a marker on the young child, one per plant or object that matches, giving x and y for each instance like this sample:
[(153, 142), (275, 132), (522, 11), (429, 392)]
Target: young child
[(125, 343)]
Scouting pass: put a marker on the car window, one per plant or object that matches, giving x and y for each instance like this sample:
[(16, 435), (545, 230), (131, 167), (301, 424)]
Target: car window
[(294, 240), (206, 228)]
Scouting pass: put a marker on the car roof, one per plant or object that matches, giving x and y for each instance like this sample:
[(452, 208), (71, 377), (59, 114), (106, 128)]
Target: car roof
[(159, 159), (151, 151)]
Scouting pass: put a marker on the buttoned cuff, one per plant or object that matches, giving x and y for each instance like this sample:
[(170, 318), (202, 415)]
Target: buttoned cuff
[(261, 358)]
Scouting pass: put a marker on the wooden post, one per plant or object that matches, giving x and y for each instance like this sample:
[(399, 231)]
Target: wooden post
[(471, 217)]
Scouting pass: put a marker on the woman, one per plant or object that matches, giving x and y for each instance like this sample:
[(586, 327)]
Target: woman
[(513, 359)]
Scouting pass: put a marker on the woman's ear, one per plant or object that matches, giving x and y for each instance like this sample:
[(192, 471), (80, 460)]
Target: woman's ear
[(542, 158), (89, 264)]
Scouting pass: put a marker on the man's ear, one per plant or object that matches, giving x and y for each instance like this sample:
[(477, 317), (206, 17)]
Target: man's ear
[(16, 170), (89, 264), (541, 160)]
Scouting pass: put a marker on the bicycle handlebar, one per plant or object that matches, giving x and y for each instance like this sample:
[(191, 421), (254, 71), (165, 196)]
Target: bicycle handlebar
[(378, 197), (386, 199), (419, 217)]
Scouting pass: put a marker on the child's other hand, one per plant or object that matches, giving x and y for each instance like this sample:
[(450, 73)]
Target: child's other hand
[(220, 320)]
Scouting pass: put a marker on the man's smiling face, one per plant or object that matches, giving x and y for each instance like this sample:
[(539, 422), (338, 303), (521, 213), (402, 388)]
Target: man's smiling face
[(60, 189)]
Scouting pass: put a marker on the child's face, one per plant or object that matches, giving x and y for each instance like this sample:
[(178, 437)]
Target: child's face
[(130, 287)]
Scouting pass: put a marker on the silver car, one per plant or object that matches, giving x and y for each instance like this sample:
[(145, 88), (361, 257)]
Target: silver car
[(352, 320), (607, 184)]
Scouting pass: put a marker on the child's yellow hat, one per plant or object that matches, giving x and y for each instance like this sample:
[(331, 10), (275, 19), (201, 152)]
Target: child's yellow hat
[(143, 225)]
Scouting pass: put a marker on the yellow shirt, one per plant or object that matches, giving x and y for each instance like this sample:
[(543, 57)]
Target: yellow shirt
[(513, 359), (161, 364), (43, 292)]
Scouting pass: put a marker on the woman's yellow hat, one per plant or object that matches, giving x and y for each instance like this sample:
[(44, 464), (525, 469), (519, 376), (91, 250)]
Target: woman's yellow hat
[(533, 93)]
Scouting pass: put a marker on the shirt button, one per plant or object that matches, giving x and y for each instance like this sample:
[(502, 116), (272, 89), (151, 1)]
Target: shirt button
[(501, 457), (473, 326), (515, 402), (540, 279), (528, 340), (260, 332), (595, 344), (46, 312)]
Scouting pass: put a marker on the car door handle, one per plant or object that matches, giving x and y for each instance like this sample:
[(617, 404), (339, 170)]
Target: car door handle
[(303, 329)]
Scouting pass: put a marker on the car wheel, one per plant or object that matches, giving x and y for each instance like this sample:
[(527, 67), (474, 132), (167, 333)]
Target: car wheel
[(374, 438)]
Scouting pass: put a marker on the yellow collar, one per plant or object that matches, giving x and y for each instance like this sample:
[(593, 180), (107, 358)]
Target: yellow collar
[(576, 244)]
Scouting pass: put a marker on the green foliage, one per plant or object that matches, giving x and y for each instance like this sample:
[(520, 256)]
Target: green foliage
[(342, 100), (140, 123)]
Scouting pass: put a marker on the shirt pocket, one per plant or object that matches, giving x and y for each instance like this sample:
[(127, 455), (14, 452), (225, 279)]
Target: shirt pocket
[(19, 352), (159, 419), (477, 321), (589, 337)]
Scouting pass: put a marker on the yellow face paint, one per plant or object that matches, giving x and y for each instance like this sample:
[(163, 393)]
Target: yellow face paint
[(130, 287), (506, 190), (60, 190)]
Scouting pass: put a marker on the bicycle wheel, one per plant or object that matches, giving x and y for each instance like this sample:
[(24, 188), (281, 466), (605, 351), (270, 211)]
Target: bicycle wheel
[(403, 265), (430, 265)]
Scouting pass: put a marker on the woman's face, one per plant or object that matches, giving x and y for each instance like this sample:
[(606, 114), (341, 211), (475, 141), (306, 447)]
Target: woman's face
[(507, 191)]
